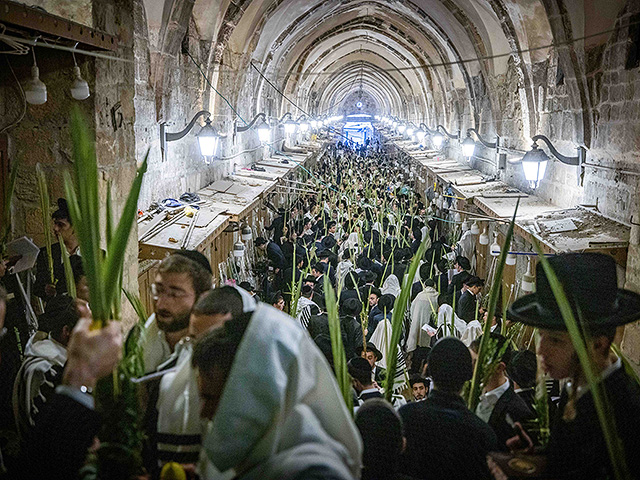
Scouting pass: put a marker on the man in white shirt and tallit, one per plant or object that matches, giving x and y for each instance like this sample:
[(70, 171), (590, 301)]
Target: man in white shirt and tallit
[(423, 307)]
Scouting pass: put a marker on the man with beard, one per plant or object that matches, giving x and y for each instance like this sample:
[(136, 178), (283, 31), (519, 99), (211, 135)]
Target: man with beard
[(181, 279)]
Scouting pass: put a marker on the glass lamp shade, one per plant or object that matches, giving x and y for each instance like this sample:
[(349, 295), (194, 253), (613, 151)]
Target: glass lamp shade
[(437, 140), (264, 132), (495, 246), (457, 218), (475, 228), (420, 134), (80, 87), (401, 128), (289, 127), (511, 259), (314, 124), (528, 284), (304, 126), (534, 164), (247, 233), (35, 91), (484, 238), (208, 140), (394, 124), (410, 130), (238, 249), (468, 147), (465, 226)]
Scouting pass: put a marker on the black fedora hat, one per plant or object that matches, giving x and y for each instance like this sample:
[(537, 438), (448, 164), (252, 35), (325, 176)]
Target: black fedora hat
[(370, 347), (590, 283)]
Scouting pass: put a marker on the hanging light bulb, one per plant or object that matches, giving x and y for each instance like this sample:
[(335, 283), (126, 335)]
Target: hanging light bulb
[(238, 250), (304, 126), (511, 257), (264, 132), (528, 284), (484, 238), (420, 134), (475, 228), (35, 91), (468, 146), (247, 233), (465, 226), (457, 217), (495, 246), (437, 140), (80, 87)]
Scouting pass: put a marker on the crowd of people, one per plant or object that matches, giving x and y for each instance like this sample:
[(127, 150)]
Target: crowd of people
[(239, 380)]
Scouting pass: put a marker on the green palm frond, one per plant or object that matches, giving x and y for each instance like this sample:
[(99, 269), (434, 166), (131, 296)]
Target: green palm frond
[(397, 319), (5, 221), (478, 374), (68, 271), (337, 347), (45, 209), (102, 271)]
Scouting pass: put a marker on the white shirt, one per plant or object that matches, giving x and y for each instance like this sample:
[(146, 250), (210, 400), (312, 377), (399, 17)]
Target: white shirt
[(488, 401)]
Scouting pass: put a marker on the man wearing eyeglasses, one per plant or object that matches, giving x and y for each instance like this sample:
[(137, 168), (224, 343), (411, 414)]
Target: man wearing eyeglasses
[(181, 279)]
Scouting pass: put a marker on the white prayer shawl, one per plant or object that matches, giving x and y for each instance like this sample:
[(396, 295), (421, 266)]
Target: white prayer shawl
[(473, 331), (280, 407), (445, 313), (422, 307), (391, 285), (381, 338), (303, 311), (40, 354), (341, 272), (155, 348), (351, 243), (179, 424)]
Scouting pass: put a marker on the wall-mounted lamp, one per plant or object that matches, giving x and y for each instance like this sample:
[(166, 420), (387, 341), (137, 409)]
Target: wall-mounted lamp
[(475, 228), (303, 124), (259, 123), (289, 125), (534, 162), (484, 237), (495, 246), (207, 137), (469, 146), (444, 130)]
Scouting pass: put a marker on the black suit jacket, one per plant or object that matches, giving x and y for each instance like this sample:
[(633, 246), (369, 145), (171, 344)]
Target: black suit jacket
[(516, 407), (457, 281), (57, 445), (445, 440), (43, 277), (466, 306), (274, 252), (577, 449)]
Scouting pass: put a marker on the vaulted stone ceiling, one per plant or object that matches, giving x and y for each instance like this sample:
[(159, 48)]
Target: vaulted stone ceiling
[(414, 59)]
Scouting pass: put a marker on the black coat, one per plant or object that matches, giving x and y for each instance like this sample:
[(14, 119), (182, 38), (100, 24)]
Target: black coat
[(516, 407), (57, 446), (274, 253), (43, 277), (445, 440), (577, 449), (457, 281), (466, 306), (350, 329)]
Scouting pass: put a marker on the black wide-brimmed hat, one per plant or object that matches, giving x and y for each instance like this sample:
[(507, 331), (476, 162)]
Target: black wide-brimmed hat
[(370, 348), (590, 283)]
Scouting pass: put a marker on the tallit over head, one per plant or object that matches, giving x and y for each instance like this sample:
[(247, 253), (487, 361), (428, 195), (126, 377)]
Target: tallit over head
[(281, 407)]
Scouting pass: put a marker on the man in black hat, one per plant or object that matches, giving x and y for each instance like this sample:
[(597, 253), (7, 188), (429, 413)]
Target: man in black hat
[(462, 267), (441, 432), (62, 226), (467, 303), (274, 253), (372, 355), (577, 447), (522, 371), (361, 379)]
